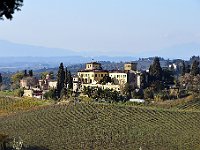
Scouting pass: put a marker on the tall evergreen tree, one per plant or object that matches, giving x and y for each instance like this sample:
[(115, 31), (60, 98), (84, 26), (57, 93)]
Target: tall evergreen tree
[(1, 80), (60, 79), (70, 80), (30, 72), (183, 70), (66, 77), (25, 73), (155, 70), (64, 90), (187, 68), (195, 68)]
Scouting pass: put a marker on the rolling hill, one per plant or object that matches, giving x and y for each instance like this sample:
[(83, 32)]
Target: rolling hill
[(104, 126)]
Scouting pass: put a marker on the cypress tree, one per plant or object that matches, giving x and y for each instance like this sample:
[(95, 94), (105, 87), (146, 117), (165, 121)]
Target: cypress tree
[(70, 80), (187, 68), (155, 70), (64, 90), (195, 68), (66, 77), (1, 80), (30, 73), (60, 79), (25, 73), (183, 70)]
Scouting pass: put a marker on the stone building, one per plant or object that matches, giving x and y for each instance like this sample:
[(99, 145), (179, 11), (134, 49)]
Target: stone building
[(118, 77), (93, 73)]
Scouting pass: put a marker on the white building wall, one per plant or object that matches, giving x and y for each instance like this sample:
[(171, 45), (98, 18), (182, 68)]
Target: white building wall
[(53, 84)]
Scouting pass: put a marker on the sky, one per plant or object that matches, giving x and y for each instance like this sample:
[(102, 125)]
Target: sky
[(107, 27)]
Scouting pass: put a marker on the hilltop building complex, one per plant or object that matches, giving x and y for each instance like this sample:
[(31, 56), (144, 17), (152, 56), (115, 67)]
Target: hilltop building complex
[(94, 76)]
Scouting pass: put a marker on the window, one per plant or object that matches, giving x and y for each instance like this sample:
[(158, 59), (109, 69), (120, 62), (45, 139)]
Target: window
[(95, 75), (101, 75)]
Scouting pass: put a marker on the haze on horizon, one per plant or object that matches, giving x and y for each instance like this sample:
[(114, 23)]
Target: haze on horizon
[(108, 27)]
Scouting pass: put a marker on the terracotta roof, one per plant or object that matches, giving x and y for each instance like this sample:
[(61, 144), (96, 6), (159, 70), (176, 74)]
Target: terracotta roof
[(117, 71)]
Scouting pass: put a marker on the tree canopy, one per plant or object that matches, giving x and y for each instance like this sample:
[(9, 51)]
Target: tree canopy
[(8, 8), (155, 70), (195, 68)]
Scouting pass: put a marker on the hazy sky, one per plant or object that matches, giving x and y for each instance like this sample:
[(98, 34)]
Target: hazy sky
[(112, 27)]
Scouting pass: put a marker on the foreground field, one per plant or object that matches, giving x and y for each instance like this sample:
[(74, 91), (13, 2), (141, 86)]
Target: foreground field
[(100, 126)]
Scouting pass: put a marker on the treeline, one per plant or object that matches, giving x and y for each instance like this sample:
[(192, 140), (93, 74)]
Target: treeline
[(64, 84)]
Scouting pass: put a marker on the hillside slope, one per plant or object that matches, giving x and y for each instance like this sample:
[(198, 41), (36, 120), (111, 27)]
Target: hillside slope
[(100, 126)]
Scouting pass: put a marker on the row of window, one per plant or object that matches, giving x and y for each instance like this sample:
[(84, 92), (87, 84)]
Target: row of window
[(94, 66), (89, 75), (118, 76)]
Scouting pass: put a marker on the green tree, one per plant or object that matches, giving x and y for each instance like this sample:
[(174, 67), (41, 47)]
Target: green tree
[(128, 89), (187, 69), (50, 94), (88, 91), (66, 77), (183, 70), (70, 80), (15, 79), (148, 94), (60, 79), (64, 89), (19, 92), (43, 75), (168, 76), (155, 70), (8, 8), (30, 73), (1, 80), (106, 79), (195, 68), (25, 73)]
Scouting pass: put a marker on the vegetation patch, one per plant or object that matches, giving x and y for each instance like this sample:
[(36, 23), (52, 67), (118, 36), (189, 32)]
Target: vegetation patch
[(10, 104), (104, 126)]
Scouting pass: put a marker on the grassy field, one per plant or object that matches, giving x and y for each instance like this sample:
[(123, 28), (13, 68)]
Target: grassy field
[(11, 104), (189, 103), (103, 126)]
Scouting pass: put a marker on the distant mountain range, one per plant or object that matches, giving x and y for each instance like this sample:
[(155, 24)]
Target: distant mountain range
[(9, 49), (15, 56)]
